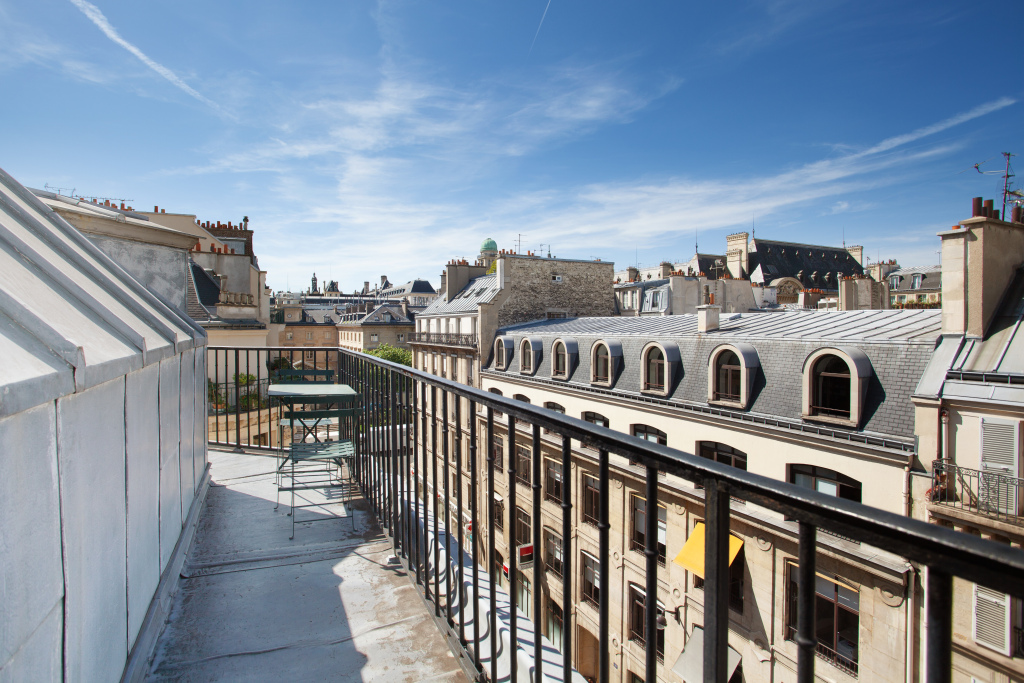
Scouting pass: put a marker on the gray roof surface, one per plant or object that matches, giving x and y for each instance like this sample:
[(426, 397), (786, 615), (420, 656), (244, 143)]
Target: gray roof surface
[(789, 259), (417, 286), (70, 316), (898, 344), (376, 317), (931, 278), (480, 290), (1002, 350)]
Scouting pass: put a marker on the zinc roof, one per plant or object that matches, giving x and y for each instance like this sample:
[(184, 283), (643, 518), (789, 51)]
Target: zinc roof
[(480, 290)]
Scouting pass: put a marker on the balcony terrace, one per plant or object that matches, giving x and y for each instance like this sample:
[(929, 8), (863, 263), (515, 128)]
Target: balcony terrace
[(444, 339)]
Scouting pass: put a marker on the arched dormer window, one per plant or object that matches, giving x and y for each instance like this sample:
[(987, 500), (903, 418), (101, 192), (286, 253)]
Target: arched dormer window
[(731, 372), (654, 370), (602, 364), (659, 368), (525, 357), (605, 360), (503, 348), (564, 354), (835, 385), (499, 354), (560, 366)]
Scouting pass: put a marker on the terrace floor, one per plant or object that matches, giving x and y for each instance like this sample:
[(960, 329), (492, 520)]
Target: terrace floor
[(253, 605)]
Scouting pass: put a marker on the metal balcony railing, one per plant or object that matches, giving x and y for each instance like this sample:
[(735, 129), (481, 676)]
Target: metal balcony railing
[(404, 430), (444, 338), (985, 492)]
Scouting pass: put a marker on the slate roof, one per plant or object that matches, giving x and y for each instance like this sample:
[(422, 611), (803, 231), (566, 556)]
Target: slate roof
[(771, 260), (417, 286), (898, 344), (480, 290), (193, 302), (931, 279), (70, 316), (377, 317)]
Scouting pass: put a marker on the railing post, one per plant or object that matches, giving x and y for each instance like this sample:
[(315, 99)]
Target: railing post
[(939, 611), (238, 410), (492, 571), (538, 561), (417, 409), (434, 496), (805, 638), (716, 580), (566, 559), (445, 436), (513, 560), (474, 535), (604, 620), (651, 553), (458, 516)]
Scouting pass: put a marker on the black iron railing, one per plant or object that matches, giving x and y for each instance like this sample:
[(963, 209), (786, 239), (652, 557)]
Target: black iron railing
[(1018, 641), (444, 338), (405, 413), (986, 492)]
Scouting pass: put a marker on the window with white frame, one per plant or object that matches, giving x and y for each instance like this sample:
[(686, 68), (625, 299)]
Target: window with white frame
[(602, 366), (560, 365), (654, 369), (526, 357)]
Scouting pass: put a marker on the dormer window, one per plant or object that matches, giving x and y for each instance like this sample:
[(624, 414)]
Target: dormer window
[(561, 366), (602, 364), (654, 370), (526, 357), (831, 386), (728, 372), (894, 282), (917, 281), (499, 354)]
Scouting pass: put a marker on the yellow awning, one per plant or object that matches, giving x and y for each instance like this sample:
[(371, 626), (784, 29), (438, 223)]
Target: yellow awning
[(691, 557)]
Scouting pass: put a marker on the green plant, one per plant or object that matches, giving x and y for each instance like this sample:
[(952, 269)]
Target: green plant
[(391, 353)]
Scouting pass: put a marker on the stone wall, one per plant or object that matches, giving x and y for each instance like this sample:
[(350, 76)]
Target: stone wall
[(585, 289)]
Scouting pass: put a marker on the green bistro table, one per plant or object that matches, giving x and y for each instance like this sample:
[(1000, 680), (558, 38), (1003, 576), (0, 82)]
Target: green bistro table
[(331, 401)]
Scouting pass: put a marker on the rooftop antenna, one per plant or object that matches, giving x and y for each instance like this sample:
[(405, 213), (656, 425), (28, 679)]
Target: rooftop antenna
[(844, 237), (1006, 182), (519, 243), (542, 245), (753, 235), (59, 190), (696, 249)]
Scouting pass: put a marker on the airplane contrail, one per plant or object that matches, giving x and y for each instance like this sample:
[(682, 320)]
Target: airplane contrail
[(96, 16), (546, 7)]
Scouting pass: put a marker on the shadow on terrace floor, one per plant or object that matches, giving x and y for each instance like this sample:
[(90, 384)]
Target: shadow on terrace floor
[(255, 606)]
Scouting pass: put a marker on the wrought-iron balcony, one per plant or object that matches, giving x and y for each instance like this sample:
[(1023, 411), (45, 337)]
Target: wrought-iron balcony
[(992, 493), (444, 339), (410, 427)]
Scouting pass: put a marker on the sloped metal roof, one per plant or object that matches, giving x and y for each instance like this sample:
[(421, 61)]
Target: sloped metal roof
[(70, 316), (480, 290), (905, 326)]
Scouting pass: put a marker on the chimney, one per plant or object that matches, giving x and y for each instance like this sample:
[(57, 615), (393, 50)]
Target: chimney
[(383, 279), (978, 260), (665, 269), (736, 254), (857, 253), (976, 207), (156, 209), (632, 274), (707, 317)]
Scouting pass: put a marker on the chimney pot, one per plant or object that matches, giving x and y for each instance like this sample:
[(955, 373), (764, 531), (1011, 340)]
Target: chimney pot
[(156, 209), (976, 207), (988, 208), (163, 211)]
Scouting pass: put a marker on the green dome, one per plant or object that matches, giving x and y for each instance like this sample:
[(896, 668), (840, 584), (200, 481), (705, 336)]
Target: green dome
[(488, 245)]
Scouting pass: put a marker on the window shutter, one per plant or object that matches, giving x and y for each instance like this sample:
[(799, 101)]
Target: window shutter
[(999, 466), (992, 619)]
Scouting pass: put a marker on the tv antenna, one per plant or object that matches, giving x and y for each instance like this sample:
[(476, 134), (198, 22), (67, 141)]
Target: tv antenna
[(59, 190), (542, 245), (1007, 173), (519, 243)]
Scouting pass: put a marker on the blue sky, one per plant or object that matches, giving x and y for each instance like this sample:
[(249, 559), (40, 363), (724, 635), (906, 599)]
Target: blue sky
[(369, 138)]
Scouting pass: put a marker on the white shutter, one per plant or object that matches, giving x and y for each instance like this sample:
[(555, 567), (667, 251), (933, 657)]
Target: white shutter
[(1000, 466), (992, 619)]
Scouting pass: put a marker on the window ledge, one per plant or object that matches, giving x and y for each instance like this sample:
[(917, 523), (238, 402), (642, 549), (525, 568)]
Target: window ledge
[(601, 383), (842, 421), (737, 405), (560, 378), (654, 392)]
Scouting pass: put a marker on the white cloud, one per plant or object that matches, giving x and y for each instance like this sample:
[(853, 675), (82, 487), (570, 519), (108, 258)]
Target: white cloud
[(93, 13)]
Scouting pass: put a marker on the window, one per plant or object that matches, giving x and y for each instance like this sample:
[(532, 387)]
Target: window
[(894, 282), (591, 584), (499, 568), (997, 621), (602, 364), (552, 480), (555, 629), (650, 434), (728, 372), (497, 392), (557, 315), (561, 365), (498, 451), (373, 337), (594, 418), (831, 387), (524, 533), (825, 481), (916, 282), (735, 582), (455, 369), (499, 354), (524, 465), (836, 619), (726, 455), (524, 399), (654, 370), (469, 371), (310, 355), (309, 336), (526, 357), (591, 499), (550, 405), (499, 514), (401, 337), (553, 551), (289, 335), (655, 299), (638, 621), (523, 600), (638, 537), (327, 334)]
